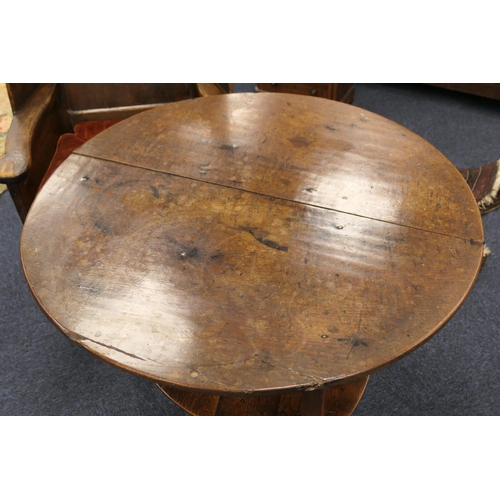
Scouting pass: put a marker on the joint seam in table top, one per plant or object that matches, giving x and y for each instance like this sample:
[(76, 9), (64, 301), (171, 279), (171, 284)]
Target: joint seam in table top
[(472, 241)]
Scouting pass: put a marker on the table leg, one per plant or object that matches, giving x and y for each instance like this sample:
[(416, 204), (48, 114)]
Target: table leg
[(313, 403), (338, 400)]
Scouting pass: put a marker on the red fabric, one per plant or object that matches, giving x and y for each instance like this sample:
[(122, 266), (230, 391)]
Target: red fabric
[(67, 143)]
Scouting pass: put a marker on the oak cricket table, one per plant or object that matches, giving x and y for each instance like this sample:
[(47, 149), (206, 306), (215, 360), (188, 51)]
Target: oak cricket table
[(254, 253)]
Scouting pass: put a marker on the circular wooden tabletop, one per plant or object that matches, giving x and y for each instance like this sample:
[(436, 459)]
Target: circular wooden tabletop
[(253, 243)]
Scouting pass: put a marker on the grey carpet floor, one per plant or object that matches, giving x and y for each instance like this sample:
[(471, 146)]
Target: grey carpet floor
[(457, 372)]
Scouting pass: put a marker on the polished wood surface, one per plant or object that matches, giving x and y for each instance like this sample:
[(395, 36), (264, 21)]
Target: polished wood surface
[(253, 244), (311, 151)]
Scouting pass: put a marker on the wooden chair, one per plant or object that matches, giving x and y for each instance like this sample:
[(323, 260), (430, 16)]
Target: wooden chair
[(44, 112)]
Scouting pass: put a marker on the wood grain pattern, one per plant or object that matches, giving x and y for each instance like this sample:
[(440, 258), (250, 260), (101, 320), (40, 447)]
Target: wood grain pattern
[(253, 244), (314, 151)]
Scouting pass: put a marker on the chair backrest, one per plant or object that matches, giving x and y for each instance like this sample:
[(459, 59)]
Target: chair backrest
[(19, 93), (114, 101), (78, 102)]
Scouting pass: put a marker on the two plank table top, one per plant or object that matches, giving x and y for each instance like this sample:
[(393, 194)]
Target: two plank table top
[(254, 253)]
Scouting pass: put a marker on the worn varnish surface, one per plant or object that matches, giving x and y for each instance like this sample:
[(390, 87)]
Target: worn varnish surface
[(253, 244), (322, 153)]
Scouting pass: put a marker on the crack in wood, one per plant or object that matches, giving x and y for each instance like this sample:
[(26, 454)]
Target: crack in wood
[(80, 338), (319, 382), (268, 196), (265, 241)]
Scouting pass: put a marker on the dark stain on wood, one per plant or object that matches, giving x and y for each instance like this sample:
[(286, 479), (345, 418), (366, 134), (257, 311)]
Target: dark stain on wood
[(300, 142), (188, 253), (102, 227), (476, 243)]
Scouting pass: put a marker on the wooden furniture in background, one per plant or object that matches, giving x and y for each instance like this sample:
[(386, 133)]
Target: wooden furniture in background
[(343, 92), (490, 90), (254, 253), (43, 112)]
